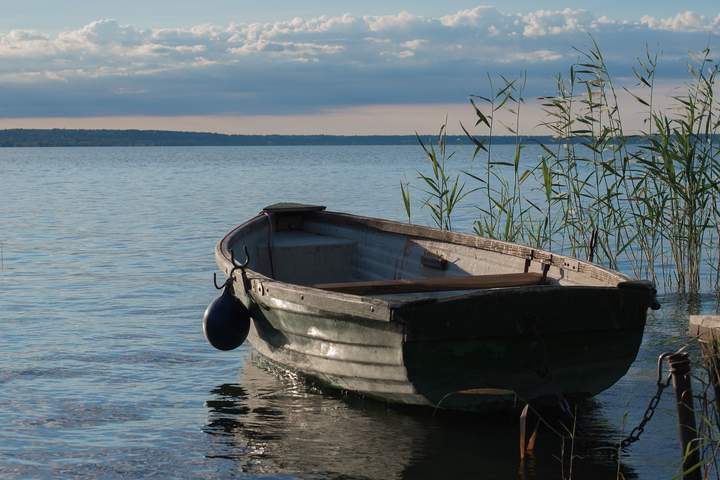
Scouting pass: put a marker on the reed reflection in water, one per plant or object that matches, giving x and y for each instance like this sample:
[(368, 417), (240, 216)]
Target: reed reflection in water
[(273, 422)]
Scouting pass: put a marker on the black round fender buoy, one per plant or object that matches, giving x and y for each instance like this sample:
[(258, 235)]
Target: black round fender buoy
[(226, 322)]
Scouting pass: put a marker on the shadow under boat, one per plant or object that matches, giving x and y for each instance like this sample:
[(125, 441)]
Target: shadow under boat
[(274, 422)]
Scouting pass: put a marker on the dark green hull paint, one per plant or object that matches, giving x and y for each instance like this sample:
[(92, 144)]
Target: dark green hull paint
[(541, 343)]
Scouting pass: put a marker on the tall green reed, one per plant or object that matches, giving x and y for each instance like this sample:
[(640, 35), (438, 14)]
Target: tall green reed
[(443, 192), (684, 159), (648, 202), (502, 207)]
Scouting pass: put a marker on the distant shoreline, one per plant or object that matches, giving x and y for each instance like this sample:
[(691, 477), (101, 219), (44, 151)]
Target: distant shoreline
[(165, 138)]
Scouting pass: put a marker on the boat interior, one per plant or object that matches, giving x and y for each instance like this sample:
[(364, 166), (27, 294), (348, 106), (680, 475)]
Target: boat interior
[(323, 250)]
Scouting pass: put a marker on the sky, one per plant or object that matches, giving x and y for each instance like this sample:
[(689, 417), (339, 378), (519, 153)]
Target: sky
[(333, 67)]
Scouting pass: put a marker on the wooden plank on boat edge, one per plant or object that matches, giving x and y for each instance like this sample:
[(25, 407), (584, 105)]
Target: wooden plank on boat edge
[(435, 284)]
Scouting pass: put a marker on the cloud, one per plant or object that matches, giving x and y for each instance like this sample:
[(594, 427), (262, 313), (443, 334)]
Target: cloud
[(304, 65), (403, 21), (544, 22), (414, 44), (684, 22), (481, 18)]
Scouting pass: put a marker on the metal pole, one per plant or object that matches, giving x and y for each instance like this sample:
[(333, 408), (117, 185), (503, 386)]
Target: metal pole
[(680, 371)]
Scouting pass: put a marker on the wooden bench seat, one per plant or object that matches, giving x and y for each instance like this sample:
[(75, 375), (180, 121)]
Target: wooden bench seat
[(435, 284)]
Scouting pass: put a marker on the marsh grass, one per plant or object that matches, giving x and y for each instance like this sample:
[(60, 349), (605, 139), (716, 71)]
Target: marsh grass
[(646, 203), (443, 192)]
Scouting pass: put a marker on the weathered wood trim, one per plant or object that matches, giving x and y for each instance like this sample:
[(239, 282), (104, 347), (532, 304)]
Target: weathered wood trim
[(705, 327), (435, 284), (518, 292), (314, 301)]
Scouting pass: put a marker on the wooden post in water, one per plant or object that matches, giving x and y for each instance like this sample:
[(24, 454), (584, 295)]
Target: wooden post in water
[(707, 329), (680, 371)]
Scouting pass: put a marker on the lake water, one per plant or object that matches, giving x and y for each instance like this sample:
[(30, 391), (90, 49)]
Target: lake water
[(105, 270)]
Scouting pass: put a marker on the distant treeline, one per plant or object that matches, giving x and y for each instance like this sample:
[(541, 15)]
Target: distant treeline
[(157, 138)]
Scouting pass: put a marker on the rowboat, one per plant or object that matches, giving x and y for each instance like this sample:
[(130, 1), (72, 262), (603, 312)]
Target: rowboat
[(414, 315)]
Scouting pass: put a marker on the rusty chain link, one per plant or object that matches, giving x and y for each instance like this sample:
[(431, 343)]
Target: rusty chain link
[(635, 433)]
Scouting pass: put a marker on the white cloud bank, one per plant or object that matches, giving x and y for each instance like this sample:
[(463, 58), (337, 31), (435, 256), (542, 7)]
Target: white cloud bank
[(313, 64)]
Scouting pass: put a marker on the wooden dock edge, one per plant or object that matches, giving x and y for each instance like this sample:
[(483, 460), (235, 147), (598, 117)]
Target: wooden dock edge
[(705, 327)]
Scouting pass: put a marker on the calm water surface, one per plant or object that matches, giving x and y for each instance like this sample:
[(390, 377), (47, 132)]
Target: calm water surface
[(106, 268)]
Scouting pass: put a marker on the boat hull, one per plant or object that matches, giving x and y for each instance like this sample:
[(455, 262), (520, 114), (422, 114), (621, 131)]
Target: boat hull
[(487, 353)]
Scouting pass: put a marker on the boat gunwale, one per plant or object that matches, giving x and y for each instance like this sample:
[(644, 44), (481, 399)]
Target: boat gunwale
[(318, 301)]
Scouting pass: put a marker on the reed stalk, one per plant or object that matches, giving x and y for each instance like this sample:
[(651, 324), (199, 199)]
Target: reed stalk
[(443, 192)]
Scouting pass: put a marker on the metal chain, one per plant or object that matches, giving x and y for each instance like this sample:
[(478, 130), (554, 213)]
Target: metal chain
[(634, 435)]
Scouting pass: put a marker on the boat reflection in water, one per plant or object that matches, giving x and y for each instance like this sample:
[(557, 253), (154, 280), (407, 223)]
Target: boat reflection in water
[(274, 423)]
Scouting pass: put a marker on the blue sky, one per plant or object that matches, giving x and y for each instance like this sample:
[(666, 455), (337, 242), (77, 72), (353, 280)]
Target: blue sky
[(311, 67), (50, 16)]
